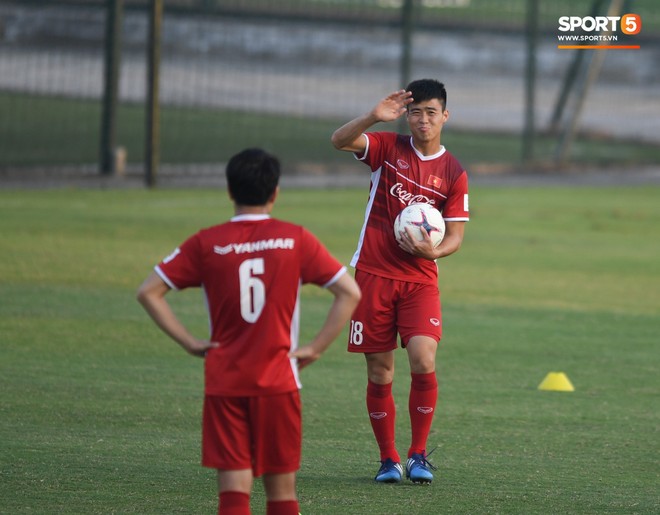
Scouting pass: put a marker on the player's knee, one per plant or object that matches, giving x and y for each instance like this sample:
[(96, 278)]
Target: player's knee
[(422, 362), (380, 369), (381, 376)]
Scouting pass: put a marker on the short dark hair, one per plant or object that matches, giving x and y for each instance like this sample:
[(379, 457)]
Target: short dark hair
[(427, 89), (252, 176)]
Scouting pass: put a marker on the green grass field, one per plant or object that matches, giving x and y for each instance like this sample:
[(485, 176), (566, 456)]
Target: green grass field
[(100, 413)]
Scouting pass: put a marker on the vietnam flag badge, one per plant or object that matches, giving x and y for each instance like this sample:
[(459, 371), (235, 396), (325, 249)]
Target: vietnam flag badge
[(434, 181)]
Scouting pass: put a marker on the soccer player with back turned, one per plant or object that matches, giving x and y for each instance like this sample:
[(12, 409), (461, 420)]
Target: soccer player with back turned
[(251, 269), (399, 281)]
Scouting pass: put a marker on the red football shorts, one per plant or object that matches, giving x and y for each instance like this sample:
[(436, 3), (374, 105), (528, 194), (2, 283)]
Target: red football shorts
[(259, 433), (389, 307)]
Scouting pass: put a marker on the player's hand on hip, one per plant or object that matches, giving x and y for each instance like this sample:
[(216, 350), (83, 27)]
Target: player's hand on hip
[(305, 355), (199, 348)]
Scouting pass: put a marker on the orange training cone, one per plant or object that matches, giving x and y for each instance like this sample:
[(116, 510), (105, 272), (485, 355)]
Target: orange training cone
[(557, 382)]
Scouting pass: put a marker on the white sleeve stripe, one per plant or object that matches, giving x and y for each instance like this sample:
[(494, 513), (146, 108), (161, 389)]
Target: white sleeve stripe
[(366, 150), (462, 219), (336, 277), (165, 278)]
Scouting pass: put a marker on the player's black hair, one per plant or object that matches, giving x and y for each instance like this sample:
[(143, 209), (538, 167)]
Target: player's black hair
[(424, 90), (252, 176)]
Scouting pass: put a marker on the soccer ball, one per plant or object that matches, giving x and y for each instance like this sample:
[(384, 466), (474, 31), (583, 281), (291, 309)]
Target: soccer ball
[(420, 215)]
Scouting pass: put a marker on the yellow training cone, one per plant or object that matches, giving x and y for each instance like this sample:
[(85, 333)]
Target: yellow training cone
[(557, 382)]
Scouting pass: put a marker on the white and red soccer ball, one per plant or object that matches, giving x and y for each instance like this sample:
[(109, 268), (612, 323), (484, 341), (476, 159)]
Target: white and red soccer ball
[(420, 215)]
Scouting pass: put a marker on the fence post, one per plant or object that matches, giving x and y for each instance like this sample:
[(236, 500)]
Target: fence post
[(114, 16), (530, 81), (407, 16), (568, 135), (572, 74), (152, 147)]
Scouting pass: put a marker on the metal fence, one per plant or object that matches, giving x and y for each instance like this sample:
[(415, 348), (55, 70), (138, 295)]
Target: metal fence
[(284, 73)]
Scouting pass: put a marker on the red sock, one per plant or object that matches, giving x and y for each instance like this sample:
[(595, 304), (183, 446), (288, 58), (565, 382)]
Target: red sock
[(234, 503), (282, 508), (382, 415), (421, 405)]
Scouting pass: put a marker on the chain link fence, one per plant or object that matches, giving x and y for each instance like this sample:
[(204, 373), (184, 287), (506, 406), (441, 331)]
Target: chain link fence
[(283, 74)]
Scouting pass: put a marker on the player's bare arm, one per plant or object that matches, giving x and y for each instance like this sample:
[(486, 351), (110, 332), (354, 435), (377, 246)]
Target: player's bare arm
[(347, 295), (151, 295), (451, 242), (349, 136)]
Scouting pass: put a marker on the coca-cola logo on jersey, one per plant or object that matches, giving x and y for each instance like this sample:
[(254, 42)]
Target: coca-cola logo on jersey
[(407, 198)]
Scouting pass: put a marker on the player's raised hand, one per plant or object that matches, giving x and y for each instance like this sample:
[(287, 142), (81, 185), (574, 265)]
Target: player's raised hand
[(392, 106)]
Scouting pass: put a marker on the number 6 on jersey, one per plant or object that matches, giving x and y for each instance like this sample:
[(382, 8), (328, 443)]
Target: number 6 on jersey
[(253, 290)]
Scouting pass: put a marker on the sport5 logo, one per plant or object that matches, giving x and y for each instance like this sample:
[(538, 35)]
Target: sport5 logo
[(630, 24)]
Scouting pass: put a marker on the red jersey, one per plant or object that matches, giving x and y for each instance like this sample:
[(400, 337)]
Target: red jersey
[(251, 269), (400, 176)]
